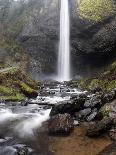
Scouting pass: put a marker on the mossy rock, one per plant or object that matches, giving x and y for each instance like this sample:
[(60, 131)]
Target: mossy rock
[(96, 10), (105, 110), (28, 91), (16, 85)]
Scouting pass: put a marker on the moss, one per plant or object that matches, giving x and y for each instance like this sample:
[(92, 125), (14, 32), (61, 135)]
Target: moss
[(28, 91), (105, 110), (6, 90), (17, 97), (10, 79), (105, 80), (96, 9), (74, 83)]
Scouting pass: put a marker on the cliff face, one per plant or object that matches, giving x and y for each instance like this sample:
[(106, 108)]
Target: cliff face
[(40, 36), (93, 34)]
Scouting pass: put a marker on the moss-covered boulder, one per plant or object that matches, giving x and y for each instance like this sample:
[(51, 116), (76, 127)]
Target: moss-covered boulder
[(105, 110), (26, 90), (16, 85)]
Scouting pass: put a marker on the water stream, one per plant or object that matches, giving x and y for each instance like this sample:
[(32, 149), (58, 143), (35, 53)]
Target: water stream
[(64, 45), (23, 126)]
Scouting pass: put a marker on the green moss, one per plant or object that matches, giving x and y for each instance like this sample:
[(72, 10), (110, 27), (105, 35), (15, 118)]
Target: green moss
[(74, 83), (6, 90), (10, 79), (17, 97), (105, 110), (105, 80), (25, 87), (96, 9)]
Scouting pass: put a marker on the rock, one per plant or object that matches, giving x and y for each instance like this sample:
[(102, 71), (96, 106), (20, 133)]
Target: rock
[(92, 116), (112, 133), (22, 151), (94, 101), (76, 123), (27, 90), (61, 124), (105, 110), (108, 97), (100, 127), (79, 96), (69, 107), (96, 89), (109, 150), (82, 114)]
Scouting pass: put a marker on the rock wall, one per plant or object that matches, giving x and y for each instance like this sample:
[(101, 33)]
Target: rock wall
[(93, 35)]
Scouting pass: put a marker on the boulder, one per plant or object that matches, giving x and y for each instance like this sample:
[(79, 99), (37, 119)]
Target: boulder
[(94, 101), (96, 89), (61, 124), (76, 104), (68, 107), (108, 97), (92, 116), (97, 128), (82, 114)]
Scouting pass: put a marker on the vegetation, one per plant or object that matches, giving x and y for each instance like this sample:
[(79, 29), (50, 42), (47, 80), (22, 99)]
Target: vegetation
[(15, 85), (96, 9), (105, 80)]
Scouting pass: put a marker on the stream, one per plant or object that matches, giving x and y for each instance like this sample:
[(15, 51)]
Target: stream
[(23, 129)]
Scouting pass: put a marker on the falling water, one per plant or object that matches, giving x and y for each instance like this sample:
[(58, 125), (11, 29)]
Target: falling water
[(64, 45)]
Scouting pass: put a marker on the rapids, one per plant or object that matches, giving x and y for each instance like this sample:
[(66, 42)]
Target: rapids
[(23, 125)]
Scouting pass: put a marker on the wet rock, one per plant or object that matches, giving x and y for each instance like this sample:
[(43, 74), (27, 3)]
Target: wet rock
[(71, 107), (100, 127), (109, 97), (61, 124), (96, 89), (23, 150), (76, 123), (78, 97), (82, 114), (94, 101), (92, 116)]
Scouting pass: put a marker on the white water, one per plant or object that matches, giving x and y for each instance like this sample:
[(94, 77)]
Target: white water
[(64, 45)]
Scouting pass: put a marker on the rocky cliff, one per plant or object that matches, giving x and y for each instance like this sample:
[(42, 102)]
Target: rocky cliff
[(93, 35)]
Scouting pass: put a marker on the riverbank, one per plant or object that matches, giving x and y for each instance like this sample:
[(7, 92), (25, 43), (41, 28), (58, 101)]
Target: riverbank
[(79, 144)]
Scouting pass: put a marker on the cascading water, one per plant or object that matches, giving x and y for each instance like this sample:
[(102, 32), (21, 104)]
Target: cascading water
[(64, 45)]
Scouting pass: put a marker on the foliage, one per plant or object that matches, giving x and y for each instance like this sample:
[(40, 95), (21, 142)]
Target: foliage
[(96, 9)]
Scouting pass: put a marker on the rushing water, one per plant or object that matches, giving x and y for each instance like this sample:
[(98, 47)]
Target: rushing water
[(64, 45), (22, 125)]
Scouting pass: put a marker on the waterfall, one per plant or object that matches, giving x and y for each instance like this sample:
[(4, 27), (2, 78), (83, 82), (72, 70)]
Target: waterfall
[(64, 45)]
